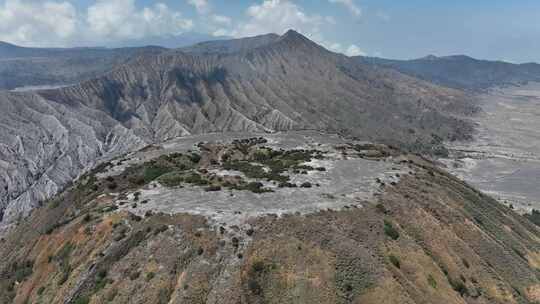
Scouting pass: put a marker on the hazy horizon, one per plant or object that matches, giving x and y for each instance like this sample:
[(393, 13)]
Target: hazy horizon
[(494, 30)]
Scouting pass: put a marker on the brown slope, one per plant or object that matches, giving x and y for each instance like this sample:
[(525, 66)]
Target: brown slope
[(448, 244)]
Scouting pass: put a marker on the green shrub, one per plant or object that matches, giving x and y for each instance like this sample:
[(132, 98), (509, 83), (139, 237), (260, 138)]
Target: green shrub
[(82, 300), (306, 185), (431, 281), (254, 287), (258, 267), (395, 261), (150, 276), (195, 179), (153, 172), (287, 185), (534, 217), (41, 290), (22, 271), (390, 231), (196, 158), (459, 287), (172, 179), (87, 218), (256, 187)]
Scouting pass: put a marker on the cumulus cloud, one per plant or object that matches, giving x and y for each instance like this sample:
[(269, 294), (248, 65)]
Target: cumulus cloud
[(219, 19), (354, 50), (37, 23), (278, 16), (120, 19), (350, 5), (58, 23), (210, 21), (202, 6)]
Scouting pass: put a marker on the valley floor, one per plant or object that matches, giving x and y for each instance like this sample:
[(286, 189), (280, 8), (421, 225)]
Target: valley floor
[(504, 158)]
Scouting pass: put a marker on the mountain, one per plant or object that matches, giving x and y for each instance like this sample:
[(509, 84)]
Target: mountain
[(26, 67), (231, 46), (462, 72), (169, 224), (169, 41), (50, 137)]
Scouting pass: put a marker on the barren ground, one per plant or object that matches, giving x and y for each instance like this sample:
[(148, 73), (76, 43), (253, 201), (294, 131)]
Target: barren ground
[(504, 158)]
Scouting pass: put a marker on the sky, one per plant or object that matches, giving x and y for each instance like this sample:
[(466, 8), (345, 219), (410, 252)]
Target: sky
[(506, 30)]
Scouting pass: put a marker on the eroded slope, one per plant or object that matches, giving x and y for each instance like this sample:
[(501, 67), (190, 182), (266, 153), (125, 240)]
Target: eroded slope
[(422, 237)]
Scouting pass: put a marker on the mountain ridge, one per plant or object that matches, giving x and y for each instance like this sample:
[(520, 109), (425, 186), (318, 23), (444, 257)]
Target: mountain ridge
[(462, 71)]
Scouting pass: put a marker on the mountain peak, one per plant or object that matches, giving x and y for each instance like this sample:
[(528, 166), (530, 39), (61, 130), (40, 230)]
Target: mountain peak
[(294, 35), (459, 57), (430, 57), (294, 38)]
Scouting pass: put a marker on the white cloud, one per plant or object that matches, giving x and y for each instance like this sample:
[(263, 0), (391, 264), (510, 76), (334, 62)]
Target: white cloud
[(202, 6), (58, 23), (354, 50), (37, 23), (120, 19), (219, 19), (217, 24), (350, 5), (278, 16)]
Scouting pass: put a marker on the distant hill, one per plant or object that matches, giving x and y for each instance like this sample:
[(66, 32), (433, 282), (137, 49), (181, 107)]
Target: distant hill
[(231, 46), (22, 66), (462, 72), (169, 41), (29, 67)]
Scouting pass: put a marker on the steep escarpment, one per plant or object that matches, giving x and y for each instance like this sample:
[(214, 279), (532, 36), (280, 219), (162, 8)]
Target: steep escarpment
[(45, 146), (285, 83), (425, 238)]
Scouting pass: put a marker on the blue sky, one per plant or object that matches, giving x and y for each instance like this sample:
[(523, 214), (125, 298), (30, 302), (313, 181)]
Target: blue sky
[(496, 29)]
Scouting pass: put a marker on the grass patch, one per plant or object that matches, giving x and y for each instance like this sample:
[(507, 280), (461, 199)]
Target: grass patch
[(153, 172), (390, 231)]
